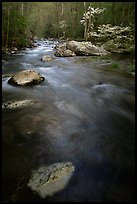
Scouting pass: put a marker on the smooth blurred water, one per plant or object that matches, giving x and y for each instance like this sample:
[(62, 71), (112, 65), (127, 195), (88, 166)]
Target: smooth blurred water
[(82, 114)]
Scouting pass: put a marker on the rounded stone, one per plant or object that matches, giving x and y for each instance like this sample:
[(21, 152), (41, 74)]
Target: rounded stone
[(26, 78), (48, 180)]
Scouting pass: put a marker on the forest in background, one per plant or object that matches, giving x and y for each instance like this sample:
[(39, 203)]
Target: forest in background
[(22, 22)]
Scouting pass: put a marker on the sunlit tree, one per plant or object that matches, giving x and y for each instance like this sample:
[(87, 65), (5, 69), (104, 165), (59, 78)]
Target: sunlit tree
[(88, 20)]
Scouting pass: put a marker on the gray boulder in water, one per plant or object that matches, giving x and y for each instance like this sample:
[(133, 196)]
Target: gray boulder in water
[(27, 77), (73, 48), (85, 48), (47, 58), (48, 180)]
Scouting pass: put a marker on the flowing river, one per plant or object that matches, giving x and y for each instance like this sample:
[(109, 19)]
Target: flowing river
[(83, 113)]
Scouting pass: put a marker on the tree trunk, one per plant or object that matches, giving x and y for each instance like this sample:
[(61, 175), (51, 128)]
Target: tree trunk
[(8, 23), (62, 16), (36, 23), (88, 26), (85, 31), (22, 9)]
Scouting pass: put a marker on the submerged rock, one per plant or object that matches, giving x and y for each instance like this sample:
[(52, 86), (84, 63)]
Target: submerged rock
[(48, 180), (69, 108), (16, 104), (25, 78)]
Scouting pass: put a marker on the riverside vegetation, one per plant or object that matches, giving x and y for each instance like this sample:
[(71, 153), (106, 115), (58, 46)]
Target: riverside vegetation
[(68, 101)]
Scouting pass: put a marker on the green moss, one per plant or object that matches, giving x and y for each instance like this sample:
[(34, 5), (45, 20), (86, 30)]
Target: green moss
[(114, 65), (127, 71), (131, 67), (86, 59)]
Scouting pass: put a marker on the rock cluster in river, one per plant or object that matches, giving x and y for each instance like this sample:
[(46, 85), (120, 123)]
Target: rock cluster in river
[(48, 180), (63, 51), (27, 77), (72, 48)]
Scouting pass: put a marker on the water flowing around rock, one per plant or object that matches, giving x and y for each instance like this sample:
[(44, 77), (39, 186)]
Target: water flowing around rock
[(48, 180), (83, 115), (25, 78)]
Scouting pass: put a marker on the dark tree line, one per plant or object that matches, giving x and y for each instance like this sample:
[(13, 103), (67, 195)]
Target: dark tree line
[(23, 21)]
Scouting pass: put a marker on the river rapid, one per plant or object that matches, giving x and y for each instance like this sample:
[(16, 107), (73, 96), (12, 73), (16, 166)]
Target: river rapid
[(83, 113)]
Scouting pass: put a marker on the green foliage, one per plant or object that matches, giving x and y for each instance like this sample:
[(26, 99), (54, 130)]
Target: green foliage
[(24, 20), (13, 26), (89, 18), (50, 30), (131, 67), (114, 65), (119, 34), (117, 13)]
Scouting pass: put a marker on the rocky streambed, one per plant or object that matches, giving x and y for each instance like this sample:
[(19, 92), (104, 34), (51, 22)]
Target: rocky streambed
[(71, 137)]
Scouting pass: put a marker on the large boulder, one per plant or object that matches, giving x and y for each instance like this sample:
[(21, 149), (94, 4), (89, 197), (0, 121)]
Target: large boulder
[(48, 180), (73, 48), (24, 78), (85, 48)]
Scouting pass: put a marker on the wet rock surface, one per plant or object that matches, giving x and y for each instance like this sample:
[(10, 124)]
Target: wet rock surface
[(17, 104), (73, 48), (85, 48), (27, 77), (47, 58), (48, 180), (63, 51)]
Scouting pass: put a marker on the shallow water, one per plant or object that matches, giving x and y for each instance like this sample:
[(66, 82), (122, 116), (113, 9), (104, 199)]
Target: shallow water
[(82, 114)]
